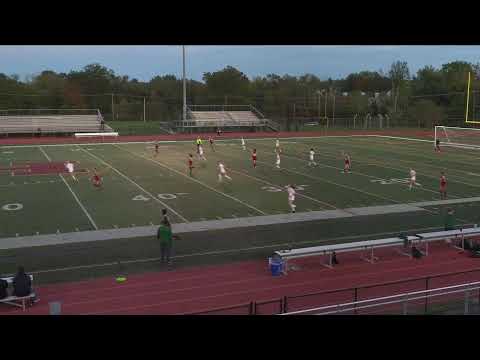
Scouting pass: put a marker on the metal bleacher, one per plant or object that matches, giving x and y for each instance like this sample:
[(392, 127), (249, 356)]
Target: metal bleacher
[(51, 121), (233, 117)]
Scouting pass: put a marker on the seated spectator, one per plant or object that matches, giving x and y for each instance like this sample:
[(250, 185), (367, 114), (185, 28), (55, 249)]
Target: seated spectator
[(22, 285), (417, 254), (3, 289)]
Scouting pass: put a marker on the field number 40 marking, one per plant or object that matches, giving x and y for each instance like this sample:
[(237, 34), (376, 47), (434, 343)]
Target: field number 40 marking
[(161, 196)]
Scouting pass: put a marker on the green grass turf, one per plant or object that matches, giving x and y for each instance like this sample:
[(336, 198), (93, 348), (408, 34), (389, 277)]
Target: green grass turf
[(48, 204)]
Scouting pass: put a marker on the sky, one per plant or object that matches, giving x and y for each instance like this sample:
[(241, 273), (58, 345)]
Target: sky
[(145, 62)]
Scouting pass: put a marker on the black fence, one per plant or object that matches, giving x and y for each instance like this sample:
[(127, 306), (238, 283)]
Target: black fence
[(347, 295)]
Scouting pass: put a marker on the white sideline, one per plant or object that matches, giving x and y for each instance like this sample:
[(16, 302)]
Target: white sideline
[(73, 193), (216, 140)]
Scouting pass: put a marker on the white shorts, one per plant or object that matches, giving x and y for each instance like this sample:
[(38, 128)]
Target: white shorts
[(291, 198), (311, 158), (413, 179)]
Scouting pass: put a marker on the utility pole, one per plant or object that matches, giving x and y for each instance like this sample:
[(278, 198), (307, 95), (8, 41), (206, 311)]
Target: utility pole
[(184, 88), (144, 117), (333, 115), (113, 112)]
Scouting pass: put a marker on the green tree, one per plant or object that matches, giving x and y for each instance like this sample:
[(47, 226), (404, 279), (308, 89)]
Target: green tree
[(229, 81), (427, 113), (399, 74)]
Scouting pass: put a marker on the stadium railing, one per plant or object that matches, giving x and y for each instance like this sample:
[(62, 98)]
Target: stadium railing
[(308, 301), (401, 302)]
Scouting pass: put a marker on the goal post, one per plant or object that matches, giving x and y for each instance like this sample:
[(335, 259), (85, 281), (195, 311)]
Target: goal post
[(466, 138), (472, 106)]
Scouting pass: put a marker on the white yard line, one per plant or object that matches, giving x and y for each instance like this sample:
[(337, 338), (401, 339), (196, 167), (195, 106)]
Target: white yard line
[(381, 164), (195, 180), (73, 193), (279, 186), (332, 183), (137, 185), (400, 152)]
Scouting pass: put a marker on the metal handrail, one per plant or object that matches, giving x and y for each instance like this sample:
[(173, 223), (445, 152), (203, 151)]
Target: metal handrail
[(409, 296)]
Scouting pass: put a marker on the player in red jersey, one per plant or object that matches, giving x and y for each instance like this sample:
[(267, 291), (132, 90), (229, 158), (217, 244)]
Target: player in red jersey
[(210, 140), (190, 164), (156, 149), (254, 157), (96, 179), (443, 186), (347, 163)]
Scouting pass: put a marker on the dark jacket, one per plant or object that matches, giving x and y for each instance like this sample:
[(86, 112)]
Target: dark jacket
[(22, 285), (3, 289)]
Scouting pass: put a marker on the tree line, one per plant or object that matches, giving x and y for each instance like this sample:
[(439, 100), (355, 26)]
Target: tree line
[(430, 96)]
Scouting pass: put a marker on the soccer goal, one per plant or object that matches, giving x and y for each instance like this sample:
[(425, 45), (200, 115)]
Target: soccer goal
[(467, 138)]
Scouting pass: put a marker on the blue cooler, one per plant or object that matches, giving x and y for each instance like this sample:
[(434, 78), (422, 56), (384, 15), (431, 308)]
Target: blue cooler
[(276, 267)]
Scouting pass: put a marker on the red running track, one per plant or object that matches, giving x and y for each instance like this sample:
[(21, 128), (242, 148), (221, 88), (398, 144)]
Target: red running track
[(197, 289)]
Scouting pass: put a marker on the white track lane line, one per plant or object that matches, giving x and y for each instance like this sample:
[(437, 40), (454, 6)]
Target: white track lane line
[(73, 193), (134, 183), (195, 180)]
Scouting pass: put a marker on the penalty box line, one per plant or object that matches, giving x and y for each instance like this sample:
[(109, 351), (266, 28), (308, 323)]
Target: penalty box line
[(194, 180), (134, 183), (73, 193)]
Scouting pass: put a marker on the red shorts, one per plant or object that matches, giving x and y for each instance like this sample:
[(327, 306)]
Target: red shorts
[(443, 188)]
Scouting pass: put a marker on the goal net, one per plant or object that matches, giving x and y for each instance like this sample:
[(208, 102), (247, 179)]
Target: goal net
[(466, 138)]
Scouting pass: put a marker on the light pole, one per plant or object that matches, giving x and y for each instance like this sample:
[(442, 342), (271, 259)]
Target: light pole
[(184, 88), (113, 113), (319, 103)]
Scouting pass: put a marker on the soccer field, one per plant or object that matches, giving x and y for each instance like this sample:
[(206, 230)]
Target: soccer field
[(36, 199), (137, 184)]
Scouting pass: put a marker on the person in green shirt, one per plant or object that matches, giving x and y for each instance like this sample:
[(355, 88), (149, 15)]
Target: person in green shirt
[(165, 236), (449, 220)]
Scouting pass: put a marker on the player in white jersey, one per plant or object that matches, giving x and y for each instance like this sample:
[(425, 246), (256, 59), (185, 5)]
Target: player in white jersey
[(291, 197), (277, 146), (70, 168), (277, 163), (200, 153), (413, 178), (222, 172), (312, 159), (243, 144)]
